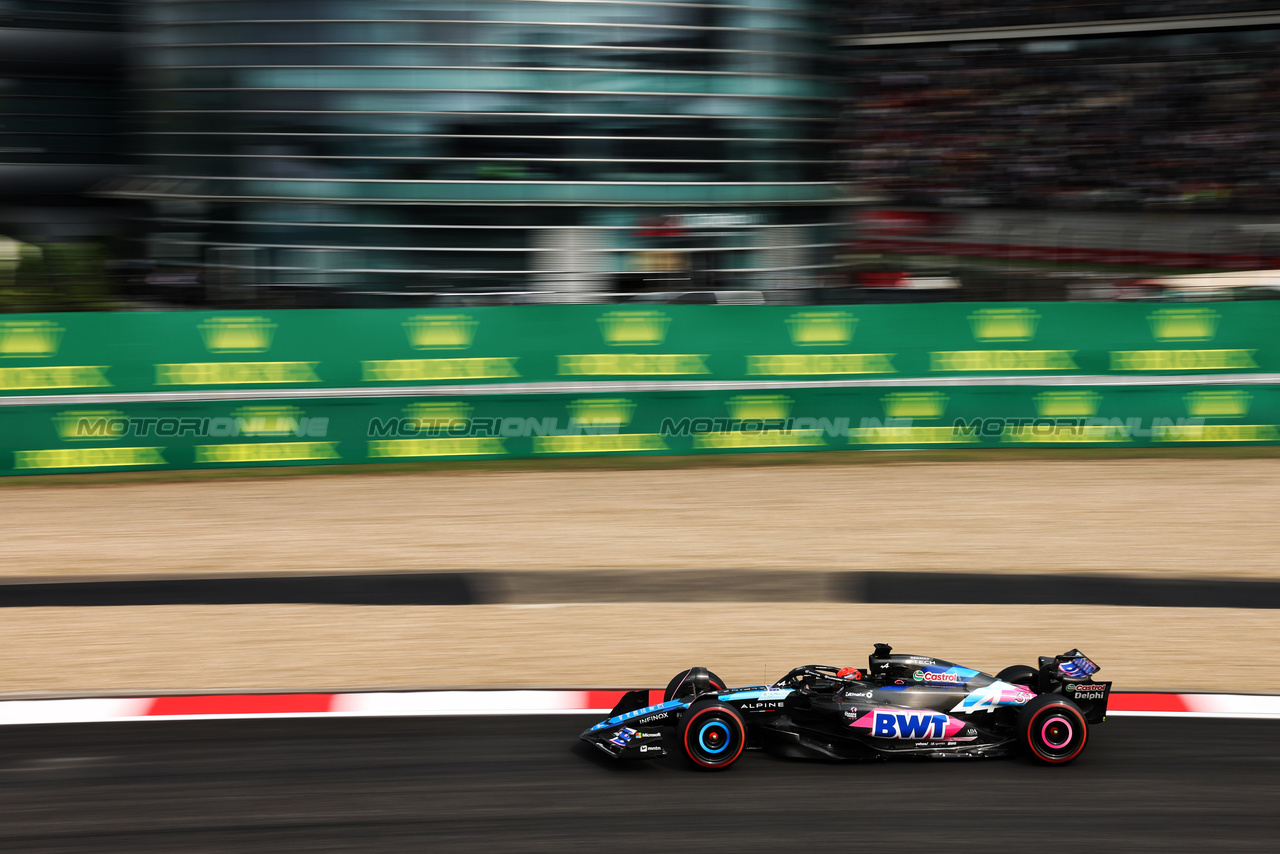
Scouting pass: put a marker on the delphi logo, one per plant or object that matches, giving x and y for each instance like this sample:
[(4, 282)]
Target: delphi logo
[(1183, 324), (759, 407), (1004, 324), (821, 328), (612, 413), (1067, 404), (441, 331), (237, 334), (1218, 404), (29, 338), (914, 404), (633, 328)]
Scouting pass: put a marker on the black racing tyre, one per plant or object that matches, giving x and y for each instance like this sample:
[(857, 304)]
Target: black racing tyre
[(712, 735), (1019, 674), (685, 683), (1052, 729)]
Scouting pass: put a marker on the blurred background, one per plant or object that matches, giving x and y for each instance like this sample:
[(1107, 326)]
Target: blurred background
[(232, 159), (311, 153)]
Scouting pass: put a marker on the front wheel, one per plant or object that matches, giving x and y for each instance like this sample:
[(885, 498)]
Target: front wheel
[(713, 735), (1052, 730)]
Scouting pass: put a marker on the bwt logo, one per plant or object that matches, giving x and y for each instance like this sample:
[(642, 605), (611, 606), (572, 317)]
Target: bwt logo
[(909, 725)]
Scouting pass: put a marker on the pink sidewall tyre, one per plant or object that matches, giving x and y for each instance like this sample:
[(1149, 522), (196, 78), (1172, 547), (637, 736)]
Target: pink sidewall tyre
[(1052, 730)]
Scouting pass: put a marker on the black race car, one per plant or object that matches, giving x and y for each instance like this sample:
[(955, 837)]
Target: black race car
[(901, 705)]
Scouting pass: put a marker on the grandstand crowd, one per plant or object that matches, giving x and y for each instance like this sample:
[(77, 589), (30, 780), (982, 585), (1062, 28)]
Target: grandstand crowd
[(1162, 122), (920, 15)]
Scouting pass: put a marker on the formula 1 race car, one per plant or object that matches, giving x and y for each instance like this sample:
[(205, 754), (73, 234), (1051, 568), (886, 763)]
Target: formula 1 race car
[(902, 705)]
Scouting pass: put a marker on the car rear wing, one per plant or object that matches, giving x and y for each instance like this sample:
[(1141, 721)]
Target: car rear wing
[(1071, 674)]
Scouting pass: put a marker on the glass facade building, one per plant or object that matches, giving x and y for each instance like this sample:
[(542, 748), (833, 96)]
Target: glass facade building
[(63, 105), (560, 145)]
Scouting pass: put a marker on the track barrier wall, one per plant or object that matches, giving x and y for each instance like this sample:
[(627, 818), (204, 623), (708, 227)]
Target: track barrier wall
[(190, 390)]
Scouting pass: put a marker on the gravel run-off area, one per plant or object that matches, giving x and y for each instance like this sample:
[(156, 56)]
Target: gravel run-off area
[(1159, 517)]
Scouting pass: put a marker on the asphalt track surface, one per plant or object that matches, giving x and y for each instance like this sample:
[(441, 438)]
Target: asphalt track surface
[(507, 784)]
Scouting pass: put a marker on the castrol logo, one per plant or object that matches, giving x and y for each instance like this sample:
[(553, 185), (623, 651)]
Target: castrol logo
[(936, 678)]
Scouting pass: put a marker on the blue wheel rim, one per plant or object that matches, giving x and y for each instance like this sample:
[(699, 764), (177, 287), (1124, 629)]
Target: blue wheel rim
[(702, 736)]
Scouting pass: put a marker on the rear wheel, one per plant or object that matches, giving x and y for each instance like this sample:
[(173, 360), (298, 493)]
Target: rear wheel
[(712, 735), (691, 682), (1019, 674), (1052, 730)]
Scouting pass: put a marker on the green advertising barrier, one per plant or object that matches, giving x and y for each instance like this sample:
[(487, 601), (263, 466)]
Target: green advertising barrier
[(54, 354), (177, 435)]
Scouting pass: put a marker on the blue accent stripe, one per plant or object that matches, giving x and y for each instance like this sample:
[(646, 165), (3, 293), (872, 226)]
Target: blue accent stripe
[(639, 713)]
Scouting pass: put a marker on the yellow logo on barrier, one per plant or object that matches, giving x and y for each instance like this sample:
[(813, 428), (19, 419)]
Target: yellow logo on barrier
[(632, 364), (821, 328), (599, 443), (429, 370), (75, 458), (458, 446), (237, 334), (1067, 404), (1218, 404), (1002, 360), (98, 424), (236, 373), (737, 440), (54, 376), (1183, 324), (603, 412), (914, 404), (437, 411), (759, 407), (633, 328), (29, 338), (1216, 433), (1182, 360), (441, 331), (267, 452), (913, 434), (1004, 324), (808, 364)]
